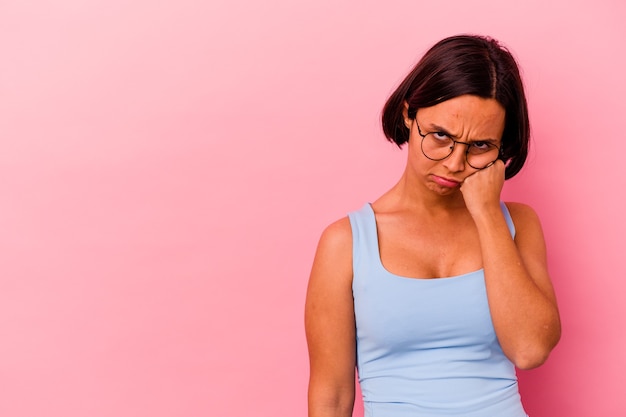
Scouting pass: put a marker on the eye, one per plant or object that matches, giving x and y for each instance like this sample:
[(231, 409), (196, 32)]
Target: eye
[(481, 146), (440, 136)]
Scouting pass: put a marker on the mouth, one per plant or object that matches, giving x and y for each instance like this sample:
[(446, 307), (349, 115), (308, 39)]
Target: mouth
[(446, 182)]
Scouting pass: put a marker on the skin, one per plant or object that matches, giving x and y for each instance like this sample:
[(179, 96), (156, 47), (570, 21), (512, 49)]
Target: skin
[(442, 219)]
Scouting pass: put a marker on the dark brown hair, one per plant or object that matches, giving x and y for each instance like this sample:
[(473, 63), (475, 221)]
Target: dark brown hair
[(458, 65)]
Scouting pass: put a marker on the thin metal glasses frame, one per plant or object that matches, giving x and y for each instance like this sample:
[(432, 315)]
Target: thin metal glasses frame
[(454, 142)]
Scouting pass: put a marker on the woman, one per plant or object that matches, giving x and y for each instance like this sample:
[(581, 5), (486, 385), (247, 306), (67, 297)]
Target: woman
[(437, 290)]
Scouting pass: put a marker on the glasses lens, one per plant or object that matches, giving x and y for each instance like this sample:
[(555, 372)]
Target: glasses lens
[(436, 146), (479, 154)]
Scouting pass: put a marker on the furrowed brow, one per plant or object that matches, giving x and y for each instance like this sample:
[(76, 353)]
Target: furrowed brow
[(436, 128)]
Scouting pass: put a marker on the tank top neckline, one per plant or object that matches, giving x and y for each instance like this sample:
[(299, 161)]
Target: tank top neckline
[(379, 262)]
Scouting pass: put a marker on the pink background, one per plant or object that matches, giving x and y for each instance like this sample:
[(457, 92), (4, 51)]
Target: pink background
[(167, 167)]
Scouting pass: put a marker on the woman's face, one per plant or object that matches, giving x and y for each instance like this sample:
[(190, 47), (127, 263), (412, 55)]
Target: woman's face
[(465, 118)]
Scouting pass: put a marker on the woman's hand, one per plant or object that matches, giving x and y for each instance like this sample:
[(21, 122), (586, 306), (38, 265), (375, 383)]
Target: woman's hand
[(482, 189)]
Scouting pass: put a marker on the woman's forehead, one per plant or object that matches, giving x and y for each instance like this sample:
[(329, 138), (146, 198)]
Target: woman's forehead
[(464, 114)]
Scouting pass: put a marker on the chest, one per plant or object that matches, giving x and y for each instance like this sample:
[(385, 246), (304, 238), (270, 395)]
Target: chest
[(428, 249)]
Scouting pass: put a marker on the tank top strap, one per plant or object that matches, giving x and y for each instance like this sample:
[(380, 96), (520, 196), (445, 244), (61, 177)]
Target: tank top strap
[(364, 236), (507, 217)]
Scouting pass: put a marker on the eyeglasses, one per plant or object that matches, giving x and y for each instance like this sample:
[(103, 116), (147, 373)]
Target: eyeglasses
[(437, 146)]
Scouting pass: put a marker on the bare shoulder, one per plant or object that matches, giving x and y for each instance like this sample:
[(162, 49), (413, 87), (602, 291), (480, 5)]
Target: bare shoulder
[(333, 258), (337, 236), (523, 215), (529, 233)]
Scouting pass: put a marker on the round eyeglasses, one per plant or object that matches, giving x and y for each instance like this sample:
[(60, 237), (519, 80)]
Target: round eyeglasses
[(437, 146)]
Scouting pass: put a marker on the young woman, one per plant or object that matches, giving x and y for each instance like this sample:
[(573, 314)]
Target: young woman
[(436, 291)]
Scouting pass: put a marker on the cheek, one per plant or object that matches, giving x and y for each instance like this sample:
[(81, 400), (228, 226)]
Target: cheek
[(416, 156)]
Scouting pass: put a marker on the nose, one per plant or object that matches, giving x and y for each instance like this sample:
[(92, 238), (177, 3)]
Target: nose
[(457, 159)]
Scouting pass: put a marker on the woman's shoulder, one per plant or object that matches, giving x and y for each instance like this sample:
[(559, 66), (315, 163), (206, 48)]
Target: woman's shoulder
[(332, 265), (340, 231), (336, 239), (337, 234), (522, 215)]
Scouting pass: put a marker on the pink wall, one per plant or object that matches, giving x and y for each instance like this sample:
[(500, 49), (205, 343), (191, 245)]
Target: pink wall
[(167, 167)]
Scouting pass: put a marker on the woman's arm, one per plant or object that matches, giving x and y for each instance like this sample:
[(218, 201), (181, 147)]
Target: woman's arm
[(330, 327), (521, 298)]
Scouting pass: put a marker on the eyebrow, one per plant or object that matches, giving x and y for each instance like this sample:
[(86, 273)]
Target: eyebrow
[(437, 128)]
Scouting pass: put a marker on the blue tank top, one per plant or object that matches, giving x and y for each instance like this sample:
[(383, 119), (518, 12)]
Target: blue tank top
[(426, 347)]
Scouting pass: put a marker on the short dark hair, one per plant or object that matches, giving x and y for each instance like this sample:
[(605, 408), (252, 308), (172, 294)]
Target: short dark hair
[(459, 65)]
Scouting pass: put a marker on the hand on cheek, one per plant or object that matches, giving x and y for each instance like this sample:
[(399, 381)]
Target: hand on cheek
[(482, 189)]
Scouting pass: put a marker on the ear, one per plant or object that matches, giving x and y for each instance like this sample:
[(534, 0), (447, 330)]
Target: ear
[(405, 115)]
